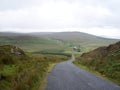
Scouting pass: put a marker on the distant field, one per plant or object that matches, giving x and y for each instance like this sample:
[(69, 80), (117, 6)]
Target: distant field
[(54, 52)]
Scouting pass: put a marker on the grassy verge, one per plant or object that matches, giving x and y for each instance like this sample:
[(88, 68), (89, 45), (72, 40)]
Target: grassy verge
[(46, 65), (91, 69), (43, 84)]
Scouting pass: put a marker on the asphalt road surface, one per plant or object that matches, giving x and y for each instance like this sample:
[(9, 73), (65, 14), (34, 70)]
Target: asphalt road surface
[(67, 76)]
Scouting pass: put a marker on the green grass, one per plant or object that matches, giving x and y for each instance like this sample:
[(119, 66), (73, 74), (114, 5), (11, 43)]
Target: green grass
[(108, 68), (44, 83), (53, 52), (90, 69), (9, 70), (26, 71)]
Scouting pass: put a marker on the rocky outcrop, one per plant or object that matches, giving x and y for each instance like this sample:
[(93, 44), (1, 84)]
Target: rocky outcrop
[(16, 52), (11, 50)]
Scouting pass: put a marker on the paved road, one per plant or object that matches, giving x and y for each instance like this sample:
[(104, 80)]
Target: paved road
[(67, 76)]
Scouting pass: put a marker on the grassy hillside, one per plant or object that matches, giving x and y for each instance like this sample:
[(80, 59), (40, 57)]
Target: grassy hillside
[(36, 42), (86, 41), (21, 71), (105, 60), (29, 42)]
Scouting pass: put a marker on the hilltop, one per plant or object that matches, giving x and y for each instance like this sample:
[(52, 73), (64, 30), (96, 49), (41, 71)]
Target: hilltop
[(80, 38)]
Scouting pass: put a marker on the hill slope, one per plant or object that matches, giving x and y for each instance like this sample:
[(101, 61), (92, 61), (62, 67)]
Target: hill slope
[(76, 36), (51, 40), (21, 71), (29, 42), (86, 41), (105, 60)]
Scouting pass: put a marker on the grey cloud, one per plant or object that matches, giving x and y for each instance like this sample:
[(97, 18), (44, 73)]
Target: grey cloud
[(80, 19)]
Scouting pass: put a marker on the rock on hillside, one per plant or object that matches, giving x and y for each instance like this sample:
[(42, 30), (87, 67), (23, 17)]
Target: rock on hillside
[(9, 49), (10, 54)]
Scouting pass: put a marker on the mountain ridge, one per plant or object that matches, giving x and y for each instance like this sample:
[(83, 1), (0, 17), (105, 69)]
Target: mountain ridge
[(65, 40)]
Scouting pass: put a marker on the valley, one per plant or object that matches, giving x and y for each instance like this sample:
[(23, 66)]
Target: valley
[(27, 58)]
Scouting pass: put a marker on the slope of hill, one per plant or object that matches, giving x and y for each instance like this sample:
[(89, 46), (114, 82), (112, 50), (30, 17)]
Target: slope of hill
[(29, 42), (53, 40), (77, 37), (103, 51), (86, 41), (21, 71), (105, 60)]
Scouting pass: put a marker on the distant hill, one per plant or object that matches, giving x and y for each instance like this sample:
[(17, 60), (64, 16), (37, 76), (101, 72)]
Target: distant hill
[(29, 42), (79, 37), (54, 40), (105, 60), (86, 41)]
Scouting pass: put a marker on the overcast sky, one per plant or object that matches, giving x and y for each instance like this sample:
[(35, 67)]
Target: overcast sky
[(98, 17)]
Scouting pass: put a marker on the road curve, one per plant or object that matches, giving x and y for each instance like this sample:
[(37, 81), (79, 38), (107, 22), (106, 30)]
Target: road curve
[(67, 76)]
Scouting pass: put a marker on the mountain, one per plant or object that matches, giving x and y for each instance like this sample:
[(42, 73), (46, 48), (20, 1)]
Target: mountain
[(29, 42), (54, 40), (78, 37), (86, 41), (105, 60)]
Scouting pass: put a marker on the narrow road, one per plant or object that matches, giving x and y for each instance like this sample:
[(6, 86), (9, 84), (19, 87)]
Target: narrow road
[(67, 76)]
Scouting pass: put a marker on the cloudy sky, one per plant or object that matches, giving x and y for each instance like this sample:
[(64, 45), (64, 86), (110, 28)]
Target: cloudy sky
[(98, 17)]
